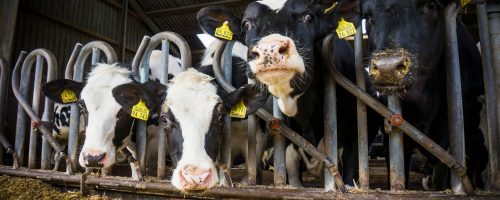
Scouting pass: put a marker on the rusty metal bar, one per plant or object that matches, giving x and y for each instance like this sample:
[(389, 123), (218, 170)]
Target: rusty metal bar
[(77, 74), (396, 149), (407, 128), (454, 93), (227, 65), (489, 85), (162, 155), (364, 181), (151, 44), (287, 132), (9, 149), (330, 129)]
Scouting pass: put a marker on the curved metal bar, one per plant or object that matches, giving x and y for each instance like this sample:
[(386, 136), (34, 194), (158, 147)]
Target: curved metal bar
[(226, 138), (155, 41), (68, 74), (86, 51), (407, 128), (285, 130), (21, 95), (138, 57), (4, 73)]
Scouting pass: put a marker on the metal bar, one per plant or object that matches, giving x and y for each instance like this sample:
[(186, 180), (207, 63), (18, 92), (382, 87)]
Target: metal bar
[(494, 31), (227, 66), (8, 19), (21, 115), (489, 85), (364, 181), (68, 73), (407, 128), (4, 73), (454, 94), (252, 168), (36, 107), (396, 150), (279, 150), (162, 155), (287, 132), (196, 7), (138, 57), (330, 129)]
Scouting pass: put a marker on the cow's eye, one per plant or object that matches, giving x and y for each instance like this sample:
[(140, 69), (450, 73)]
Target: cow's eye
[(247, 25), (307, 18)]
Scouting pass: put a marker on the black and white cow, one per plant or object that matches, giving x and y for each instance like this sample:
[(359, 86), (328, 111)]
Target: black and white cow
[(408, 59), (109, 127), (284, 39)]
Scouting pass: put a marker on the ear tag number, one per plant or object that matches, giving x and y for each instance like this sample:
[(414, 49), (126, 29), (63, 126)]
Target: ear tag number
[(239, 110), (68, 96), (224, 31), (140, 111), (331, 7), (464, 2), (345, 29)]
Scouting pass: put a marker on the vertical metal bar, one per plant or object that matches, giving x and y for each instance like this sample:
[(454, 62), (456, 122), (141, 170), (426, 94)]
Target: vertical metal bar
[(454, 94), (165, 47), (141, 125), (279, 150), (489, 85), (46, 149), (21, 115), (330, 129), (396, 150), (138, 57), (364, 181), (494, 23), (3, 86), (227, 67), (68, 74), (36, 107), (8, 19), (251, 149)]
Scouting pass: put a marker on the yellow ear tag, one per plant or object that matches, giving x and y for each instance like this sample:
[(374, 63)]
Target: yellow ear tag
[(224, 32), (140, 111), (331, 8), (464, 2), (345, 29), (239, 111), (68, 96)]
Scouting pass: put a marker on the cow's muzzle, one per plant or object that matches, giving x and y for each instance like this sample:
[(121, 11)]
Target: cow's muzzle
[(391, 68)]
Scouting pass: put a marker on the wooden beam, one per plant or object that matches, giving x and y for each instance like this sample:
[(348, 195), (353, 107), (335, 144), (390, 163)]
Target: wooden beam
[(196, 7)]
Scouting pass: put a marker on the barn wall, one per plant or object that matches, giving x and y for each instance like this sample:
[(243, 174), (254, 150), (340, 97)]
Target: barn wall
[(58, 25)]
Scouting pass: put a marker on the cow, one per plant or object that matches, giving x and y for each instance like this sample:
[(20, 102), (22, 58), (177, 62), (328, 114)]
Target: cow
[(284, 58), (192, 113), (408, 60), (109, 129)]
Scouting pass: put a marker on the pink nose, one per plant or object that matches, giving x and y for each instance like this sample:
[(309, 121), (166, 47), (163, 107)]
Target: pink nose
[(195, 178), (271, 54)]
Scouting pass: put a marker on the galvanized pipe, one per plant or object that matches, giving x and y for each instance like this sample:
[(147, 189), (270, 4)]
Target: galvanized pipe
[(407, 128), (35, 104), (330, 129), (364, 181), (21, 115), (68, 73), (396, 150), (252, 168), (78, 69), (287, 132), (279, 149), (227, 65), (151, 45), (454, 94), (162, 147), (489, 85), (494, 29), (138, 57)]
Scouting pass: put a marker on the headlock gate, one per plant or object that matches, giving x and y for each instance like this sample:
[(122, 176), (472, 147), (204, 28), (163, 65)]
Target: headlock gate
[(222, 66)]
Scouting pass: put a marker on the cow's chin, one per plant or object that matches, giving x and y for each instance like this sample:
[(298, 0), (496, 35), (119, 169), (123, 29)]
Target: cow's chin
[(387, 90), (107, 161), (275, 77)]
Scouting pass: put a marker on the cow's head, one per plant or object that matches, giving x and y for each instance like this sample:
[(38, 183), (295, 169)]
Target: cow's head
[(192, 114), (281, 36), (108, 124), (407, 41)]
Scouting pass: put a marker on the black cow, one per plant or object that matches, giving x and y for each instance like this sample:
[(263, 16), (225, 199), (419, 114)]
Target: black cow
[(407, 39), (284, 39)]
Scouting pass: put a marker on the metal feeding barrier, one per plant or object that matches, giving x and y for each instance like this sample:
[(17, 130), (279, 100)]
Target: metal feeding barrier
[(142, 59), (4, 74)]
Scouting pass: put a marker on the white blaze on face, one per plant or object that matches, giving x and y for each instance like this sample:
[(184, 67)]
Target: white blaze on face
[(276, 5), (277, 64), (102, 111), (191, 97)]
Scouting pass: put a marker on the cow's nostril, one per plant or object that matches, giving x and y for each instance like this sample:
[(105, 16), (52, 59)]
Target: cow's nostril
[(254, 55), (283, 49)]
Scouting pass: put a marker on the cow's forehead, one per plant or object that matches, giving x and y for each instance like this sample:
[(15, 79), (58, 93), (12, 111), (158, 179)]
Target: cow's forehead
[(275, 5)]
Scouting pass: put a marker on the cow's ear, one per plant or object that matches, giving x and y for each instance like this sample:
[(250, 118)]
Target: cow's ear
[(63, 91), (335, 10), (212, 17), (151, 93), (252, 98)]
